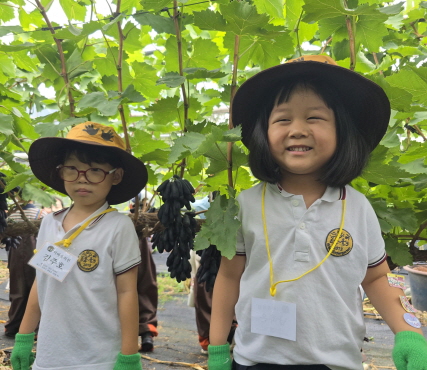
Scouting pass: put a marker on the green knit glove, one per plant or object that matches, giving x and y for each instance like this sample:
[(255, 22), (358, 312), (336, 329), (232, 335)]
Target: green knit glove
[(128, 362), (410, 351), (22, 356), (219, 357)]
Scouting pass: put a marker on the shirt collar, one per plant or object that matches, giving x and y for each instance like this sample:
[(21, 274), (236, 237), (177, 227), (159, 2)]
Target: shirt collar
[(330, 195), (60, 215), (333, 194)]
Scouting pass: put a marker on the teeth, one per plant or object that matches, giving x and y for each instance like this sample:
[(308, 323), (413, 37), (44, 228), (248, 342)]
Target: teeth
[(299, 149)]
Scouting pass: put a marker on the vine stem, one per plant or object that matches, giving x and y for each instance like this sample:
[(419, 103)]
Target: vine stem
[(408, 133), (349, 21), (176, 15), (230, 119), (58, 42), (10, 5), (352, 41), (417, 34), (419, 132), (296, 30), (120, 78), (120, 108), (377, 63), (416, 236), (325, 45)]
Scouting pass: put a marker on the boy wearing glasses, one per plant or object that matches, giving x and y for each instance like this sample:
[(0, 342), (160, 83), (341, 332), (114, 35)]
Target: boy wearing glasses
[(85, 292)]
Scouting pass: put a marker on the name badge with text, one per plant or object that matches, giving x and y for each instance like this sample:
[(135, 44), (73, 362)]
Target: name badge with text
[(274, 318), (54, 261)]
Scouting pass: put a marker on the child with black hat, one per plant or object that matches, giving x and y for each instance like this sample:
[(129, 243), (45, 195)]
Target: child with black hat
[(307, 239), (85, 293)]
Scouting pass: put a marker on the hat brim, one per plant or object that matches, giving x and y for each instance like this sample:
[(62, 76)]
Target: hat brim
[(45, 155), (366, 101)]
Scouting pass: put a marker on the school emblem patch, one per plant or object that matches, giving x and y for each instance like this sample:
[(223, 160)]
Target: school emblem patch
[(344, 244), (88, 260)]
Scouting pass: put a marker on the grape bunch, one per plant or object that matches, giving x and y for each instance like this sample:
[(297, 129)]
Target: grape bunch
[(11, 242), (209, 266), (3, 207), (180, 229)]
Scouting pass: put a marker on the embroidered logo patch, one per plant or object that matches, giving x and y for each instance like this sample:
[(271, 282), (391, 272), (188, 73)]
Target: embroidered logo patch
[(88, 260), (344, 244)]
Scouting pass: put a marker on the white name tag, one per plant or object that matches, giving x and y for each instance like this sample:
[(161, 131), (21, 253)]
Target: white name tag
[(54, 261), (274, 318)]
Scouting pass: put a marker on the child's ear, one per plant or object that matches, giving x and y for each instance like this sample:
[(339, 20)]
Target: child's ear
[(118, 176)]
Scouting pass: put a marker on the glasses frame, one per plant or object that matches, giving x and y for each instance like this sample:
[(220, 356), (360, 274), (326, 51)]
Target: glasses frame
[(79, 172)]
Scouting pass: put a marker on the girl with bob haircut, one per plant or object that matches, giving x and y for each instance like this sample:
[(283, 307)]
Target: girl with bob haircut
[(307, 239)]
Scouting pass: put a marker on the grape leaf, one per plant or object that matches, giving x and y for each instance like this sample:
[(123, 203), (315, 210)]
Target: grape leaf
[(398, 252), (220, 227)]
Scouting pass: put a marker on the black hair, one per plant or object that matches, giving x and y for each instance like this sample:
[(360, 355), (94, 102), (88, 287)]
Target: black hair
[(352, 150), (92, 154)]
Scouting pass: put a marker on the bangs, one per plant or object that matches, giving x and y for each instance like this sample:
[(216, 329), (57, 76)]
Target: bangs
[(92, 154), (317, 85)]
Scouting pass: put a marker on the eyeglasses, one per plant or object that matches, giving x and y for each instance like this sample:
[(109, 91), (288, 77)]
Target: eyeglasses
[(92, 175)]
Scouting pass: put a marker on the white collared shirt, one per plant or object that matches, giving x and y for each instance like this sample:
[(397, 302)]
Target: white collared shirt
[(330, 325), (80, 327)]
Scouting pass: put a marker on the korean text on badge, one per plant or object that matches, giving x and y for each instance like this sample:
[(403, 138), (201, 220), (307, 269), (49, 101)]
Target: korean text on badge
[(54, 261)]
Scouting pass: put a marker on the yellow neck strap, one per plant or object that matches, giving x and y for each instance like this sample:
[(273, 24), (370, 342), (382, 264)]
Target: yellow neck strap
[(267, 245), (67, 242)]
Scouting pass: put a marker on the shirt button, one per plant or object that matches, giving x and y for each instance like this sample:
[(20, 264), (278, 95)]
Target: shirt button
[(295, 203), (302, 226)]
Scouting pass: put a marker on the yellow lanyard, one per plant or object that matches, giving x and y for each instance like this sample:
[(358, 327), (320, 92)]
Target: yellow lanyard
[(267, 245), (67, 242)]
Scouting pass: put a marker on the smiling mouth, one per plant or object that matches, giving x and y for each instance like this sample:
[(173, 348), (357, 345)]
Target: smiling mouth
[(299, 149)]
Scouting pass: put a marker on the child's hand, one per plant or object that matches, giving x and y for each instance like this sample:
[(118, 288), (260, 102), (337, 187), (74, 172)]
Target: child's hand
[(410, 351), (128, 362), (22, 356), (219, 357)]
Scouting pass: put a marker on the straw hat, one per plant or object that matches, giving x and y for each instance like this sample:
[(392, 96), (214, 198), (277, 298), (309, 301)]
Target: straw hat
[(45, 153)]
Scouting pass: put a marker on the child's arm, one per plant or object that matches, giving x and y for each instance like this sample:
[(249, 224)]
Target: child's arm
[(127, 298), (22, 356), (386, 298), (410, 346), (32, 312), (225, 295)]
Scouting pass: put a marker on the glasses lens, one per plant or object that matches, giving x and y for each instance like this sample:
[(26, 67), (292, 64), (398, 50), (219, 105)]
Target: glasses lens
[(68, 173), (95, 175)]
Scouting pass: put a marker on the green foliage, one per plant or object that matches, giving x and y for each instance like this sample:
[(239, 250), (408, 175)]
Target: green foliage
[(171, 79), (219, 228)]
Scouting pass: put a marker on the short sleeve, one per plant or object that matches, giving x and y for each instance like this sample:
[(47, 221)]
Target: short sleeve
[(240, 242), (376, 251), (125, 248)]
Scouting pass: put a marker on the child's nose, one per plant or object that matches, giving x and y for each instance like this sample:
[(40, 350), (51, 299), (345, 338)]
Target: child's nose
[(298, 128), (82, 177)]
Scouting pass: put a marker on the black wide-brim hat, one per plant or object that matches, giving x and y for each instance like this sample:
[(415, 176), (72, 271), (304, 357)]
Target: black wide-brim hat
[(46, 153), (364, 99)]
